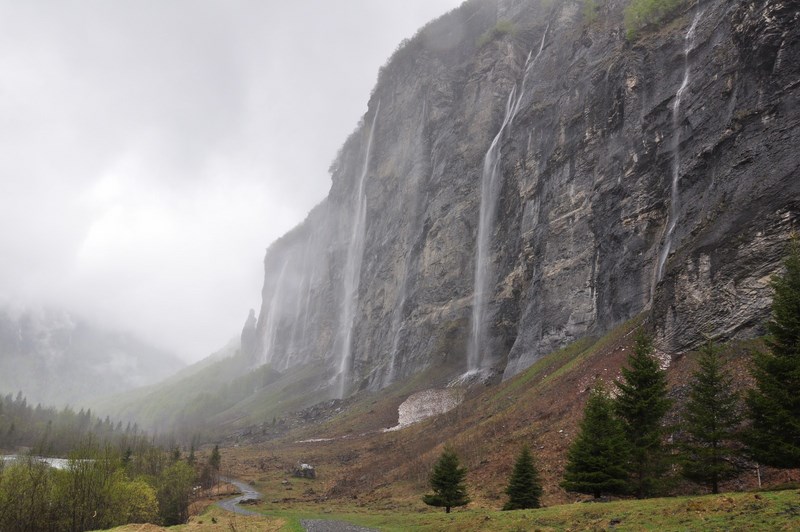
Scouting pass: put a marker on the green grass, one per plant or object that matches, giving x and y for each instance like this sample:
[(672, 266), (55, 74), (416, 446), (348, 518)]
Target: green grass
[(776, 510)]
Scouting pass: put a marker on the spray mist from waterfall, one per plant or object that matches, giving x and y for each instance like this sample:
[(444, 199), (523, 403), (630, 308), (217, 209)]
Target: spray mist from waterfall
[(676, 148), (414, 204), (491, 183), (352, 269), (271, 327)]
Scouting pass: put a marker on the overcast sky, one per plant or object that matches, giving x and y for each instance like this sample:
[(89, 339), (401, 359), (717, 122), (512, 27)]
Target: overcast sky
[(151, 150)]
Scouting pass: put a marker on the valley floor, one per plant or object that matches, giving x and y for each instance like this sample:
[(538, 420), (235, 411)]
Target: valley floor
[(751, 511)]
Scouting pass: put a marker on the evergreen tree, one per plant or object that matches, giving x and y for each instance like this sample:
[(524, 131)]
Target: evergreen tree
[(215, 460), (774, 404), (524, 488), (214, 463), (447, 482), (641, 404), (710, 420), (597, 459)]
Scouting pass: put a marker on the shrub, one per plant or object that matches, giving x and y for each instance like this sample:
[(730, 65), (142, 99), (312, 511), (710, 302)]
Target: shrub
[(503, 27), (640, 13)]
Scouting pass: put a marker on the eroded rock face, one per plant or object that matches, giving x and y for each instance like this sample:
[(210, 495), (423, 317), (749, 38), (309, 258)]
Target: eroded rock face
[(587, 167)]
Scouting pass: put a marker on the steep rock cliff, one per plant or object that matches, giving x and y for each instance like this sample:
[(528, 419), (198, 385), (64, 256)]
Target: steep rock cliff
[(590, 177)]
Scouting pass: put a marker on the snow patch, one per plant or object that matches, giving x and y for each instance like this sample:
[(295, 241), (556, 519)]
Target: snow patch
[(425, 404)]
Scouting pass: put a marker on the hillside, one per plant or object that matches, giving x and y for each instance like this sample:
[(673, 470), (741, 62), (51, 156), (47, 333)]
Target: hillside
[(362, 469)]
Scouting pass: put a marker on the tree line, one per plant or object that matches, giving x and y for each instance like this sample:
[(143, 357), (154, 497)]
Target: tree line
[(47, 431), (624, 446), (102, 487)]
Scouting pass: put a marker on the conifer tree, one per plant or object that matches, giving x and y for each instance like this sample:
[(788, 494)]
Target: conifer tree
[(641, 404), (215, 460), (214, 463), (447, 482), (711, 420), (598, 458), (774, 404), (524, 488)]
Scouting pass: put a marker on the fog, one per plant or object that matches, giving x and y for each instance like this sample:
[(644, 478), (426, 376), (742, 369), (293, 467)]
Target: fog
[(151, 150)]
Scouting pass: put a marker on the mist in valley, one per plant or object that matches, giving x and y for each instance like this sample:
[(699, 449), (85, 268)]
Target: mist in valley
[(151, 154)]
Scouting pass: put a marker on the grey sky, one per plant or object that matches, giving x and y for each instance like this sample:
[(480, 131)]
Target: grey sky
[(151, 150)]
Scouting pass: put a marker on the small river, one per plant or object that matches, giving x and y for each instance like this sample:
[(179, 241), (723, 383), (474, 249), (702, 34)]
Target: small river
[(56, 463)]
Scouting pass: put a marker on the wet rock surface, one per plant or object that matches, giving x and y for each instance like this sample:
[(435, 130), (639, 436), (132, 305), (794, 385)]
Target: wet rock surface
[(586, 197)]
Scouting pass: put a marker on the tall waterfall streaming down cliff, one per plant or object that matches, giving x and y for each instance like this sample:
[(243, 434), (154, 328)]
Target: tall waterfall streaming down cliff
[(417, 201), (491, 183), (352, 269), (302, 302), (275, 306), (676, 147)]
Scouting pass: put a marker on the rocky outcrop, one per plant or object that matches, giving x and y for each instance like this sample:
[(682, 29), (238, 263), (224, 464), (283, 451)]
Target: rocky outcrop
[(656, 174)]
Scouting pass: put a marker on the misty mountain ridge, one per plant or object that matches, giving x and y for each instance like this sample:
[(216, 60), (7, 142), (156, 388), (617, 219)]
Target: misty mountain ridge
[(57, 358)]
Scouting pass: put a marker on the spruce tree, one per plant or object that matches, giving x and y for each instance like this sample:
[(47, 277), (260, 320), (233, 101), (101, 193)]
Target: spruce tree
[(774, 404), (711, 420), (597, 459), (214, 463), (524, 488), (447, 482), (641, 404)]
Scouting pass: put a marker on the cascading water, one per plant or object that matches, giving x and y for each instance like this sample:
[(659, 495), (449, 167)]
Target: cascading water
[(676, 148), (271, 326), (352, 269), (491, 183), (397, 315), (302, 302)]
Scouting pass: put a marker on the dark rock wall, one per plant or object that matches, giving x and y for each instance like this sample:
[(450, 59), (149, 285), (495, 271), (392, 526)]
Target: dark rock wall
[(586, 199)]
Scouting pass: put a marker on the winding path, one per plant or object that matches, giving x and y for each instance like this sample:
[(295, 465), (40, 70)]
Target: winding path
[(232, 505), (323, 525), (309, 525)]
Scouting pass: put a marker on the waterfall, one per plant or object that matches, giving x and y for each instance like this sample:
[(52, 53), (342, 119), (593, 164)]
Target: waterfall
[(491, 183), (414, 233), (676, 148), (352, 269), (302, 300), (271, 327)]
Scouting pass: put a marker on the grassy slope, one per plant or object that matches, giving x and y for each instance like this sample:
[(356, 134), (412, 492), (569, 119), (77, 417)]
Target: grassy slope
[(367, 470), (374, 478)]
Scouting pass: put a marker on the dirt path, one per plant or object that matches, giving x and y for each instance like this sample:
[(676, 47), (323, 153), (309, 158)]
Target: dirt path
[(323, 525), (310, 525), (232, 505)]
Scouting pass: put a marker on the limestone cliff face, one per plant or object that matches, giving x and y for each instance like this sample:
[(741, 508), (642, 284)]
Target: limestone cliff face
[(658, 173)]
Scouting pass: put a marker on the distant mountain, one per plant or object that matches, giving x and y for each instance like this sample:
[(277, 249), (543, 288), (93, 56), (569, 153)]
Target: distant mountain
[(55, 358)]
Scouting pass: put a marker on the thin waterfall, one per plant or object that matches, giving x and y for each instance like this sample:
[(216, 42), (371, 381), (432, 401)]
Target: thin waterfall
[(676, 147), (352, 269), (300, 304), (491, 182), (271, 328), (397, 315)]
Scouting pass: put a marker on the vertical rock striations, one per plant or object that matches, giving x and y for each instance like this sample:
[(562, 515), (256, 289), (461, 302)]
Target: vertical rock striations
[(514, 201)]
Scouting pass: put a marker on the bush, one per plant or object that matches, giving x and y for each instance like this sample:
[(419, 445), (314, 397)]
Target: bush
[(503, 27), (589, 11), (640, 13)]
